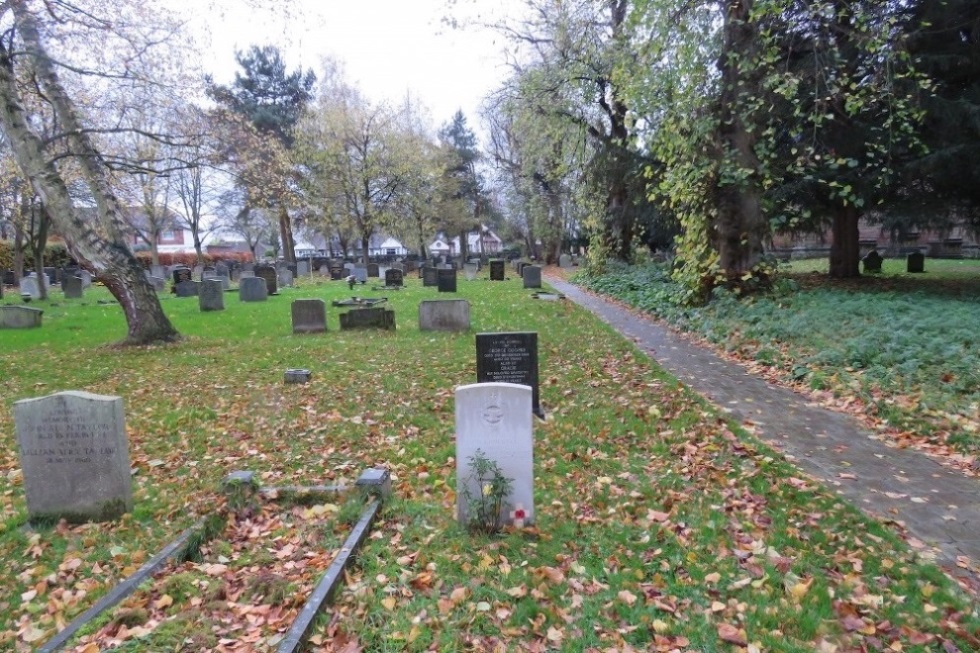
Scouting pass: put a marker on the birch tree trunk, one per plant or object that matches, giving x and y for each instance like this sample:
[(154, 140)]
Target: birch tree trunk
[(100, 248)]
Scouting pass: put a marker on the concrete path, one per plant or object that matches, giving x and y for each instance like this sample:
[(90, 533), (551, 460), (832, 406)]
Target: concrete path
[(938, 506)]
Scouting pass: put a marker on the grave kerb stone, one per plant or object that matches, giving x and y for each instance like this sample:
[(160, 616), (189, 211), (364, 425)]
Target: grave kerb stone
[(20, 317)]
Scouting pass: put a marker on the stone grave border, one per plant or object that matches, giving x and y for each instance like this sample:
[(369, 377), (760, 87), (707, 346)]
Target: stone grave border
[(375, 481)]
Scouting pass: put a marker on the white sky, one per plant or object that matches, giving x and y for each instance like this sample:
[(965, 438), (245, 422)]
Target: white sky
[(388, 48)]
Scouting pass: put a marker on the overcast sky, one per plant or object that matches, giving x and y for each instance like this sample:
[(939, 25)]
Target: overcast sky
[(388, 47)]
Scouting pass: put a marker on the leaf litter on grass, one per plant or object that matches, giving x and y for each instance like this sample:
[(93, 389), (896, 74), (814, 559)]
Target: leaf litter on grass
[(660, 526)]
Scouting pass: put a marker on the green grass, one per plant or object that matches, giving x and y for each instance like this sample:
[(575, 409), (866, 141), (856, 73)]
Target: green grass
[(657, 529), (905, 345)]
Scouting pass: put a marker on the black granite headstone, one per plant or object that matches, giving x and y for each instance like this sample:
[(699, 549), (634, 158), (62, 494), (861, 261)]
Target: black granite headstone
[(916, 262), (394, 277), (872, 262), (497, 270), (446, 280), (509, 358)]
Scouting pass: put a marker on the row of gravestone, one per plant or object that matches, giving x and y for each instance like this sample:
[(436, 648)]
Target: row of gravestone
[(74, 452), (310, 316), (914, 263)]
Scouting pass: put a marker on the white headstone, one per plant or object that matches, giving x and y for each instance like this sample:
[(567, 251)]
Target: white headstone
[(495, 418), (75, 456)]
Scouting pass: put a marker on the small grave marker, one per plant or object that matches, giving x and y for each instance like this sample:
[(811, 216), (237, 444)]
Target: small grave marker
[(497, 270), (872, 261), (430, 276), (367, 318), (187, 289), (916, 262), (211, 295), (268, 273), (532, 276), (253, 289), (71, 286), (20, 317), (394, 278)]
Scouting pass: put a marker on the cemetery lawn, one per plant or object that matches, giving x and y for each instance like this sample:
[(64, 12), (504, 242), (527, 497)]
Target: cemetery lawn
[(901, 351), (661, 526)]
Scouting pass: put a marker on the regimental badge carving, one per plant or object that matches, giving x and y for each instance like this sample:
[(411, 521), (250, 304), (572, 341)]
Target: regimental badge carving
[(493, 413)]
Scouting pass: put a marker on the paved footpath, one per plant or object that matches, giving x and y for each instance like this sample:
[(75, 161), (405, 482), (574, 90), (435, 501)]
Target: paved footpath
[(938, 506)]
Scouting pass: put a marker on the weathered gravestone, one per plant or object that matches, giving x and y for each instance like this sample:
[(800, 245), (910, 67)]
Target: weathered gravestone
[(509, 357), (211, 295), (158, 271), (86, 278), (187, 288), (303, 268), (471, 270), (20, 317), (253, 289), (497, 270), (198, 272), (286, 278), (394, 278), (30, 286), (565, 261), (446, 279), (268, 273), (373, 271), (444, 315), (916, 262), (71, 286), (336, 272), (221, 269), (158, 283), (430, 276), (75, 456), (493, 420), (181, 274), (360, 273), (367, 318), (532, 276), (309, 316), (872, 261)]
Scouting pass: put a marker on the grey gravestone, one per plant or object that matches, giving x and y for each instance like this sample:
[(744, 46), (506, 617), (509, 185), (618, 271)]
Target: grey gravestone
[(373, 271), (916, 262), (247, 274), (158, 271), (444, 315), (302, 268), (309, 316), (248, 266), (430, 276), (367, 318), (268, 273), (212, 295), (297, 375), (30, 287), (509, 358), (198, 272), (221, 269), (532, 276), (86, 278), (471, 270), (496, 270), (394, 277), (158, 283), (360, 273), (75, 456), (446, 280), (187, 288), (565, 261), (494, 419), (398, 266), (286, 278), (253, 289), (71, 286), (872, 261), (20, 317)]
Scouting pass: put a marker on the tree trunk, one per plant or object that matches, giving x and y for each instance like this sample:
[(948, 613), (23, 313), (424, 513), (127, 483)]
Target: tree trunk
[(845, 251), (109, 259), (463, 245), (18, 254), (365, 242), (286, 235), (740, 224)]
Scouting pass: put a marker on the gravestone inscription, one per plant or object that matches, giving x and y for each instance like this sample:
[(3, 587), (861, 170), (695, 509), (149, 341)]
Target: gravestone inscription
[(509, 357), (75, 456)]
